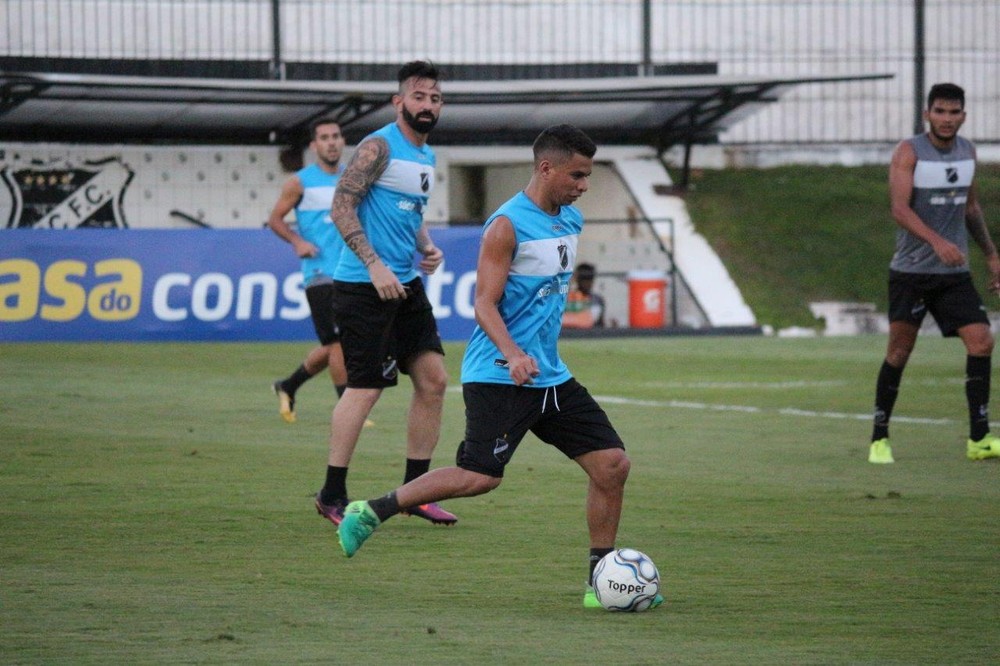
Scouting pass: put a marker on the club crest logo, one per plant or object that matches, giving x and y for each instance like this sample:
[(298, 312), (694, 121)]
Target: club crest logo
[(563, 256), (501, 450), (425, 181), (68, 197), (951, 174)]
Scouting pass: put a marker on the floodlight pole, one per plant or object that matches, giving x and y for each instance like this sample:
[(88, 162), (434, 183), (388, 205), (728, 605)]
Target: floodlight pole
[(918, 66)]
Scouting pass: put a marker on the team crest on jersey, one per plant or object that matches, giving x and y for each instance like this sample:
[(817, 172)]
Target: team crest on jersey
[(563, 256), (66, 196), (951, 174), (425, 181)]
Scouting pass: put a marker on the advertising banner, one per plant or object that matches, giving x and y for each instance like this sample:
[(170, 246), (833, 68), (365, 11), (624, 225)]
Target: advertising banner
[(186, 285)]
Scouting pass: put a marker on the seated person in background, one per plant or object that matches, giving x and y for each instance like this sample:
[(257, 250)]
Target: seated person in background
[(584, 308)]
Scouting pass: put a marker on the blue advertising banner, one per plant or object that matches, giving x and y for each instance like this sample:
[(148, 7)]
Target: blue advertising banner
[(178, 285)]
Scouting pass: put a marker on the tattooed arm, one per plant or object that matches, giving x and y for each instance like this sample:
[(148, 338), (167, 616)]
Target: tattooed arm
[(975, 224), (368, 162)]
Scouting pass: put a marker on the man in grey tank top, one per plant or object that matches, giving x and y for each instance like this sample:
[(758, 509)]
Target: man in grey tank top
[(933, 198)]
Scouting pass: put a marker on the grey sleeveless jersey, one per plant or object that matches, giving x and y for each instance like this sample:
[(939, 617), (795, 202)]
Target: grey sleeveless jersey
[(941, 182)]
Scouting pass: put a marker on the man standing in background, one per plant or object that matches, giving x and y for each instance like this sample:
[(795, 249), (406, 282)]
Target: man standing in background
[(933, 196)]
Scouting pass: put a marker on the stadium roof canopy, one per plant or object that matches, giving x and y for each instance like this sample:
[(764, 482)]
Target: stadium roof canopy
[(659, 111)]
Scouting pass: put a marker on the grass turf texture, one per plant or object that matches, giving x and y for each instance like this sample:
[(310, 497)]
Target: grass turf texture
[(796, 234), (157, 510)]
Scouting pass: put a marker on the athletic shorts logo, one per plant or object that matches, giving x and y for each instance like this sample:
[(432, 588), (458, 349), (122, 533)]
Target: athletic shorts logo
[(501, 450), (389, 369)]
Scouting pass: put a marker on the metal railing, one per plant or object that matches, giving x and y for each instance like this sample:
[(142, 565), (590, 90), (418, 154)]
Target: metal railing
[(617, 247), (919, 41)]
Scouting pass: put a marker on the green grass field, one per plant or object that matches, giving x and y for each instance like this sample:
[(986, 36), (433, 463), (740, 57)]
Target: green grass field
[(156, 510), (795, 234)]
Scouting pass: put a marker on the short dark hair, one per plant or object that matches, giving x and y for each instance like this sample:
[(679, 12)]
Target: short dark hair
[(422, 69), (585, 271), (948, 91), (565, 139), (314, 125)]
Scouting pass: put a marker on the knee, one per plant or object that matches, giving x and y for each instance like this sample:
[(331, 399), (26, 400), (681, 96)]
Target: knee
[(438, 383), (981, 346), (480, 484), (489, 483), (622, 467), (616, 468), (897, 356), (432, 381)]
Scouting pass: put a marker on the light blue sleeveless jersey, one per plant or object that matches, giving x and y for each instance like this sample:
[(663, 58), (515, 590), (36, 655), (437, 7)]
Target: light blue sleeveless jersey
[(534, 296), (312, 215), (393, 209)]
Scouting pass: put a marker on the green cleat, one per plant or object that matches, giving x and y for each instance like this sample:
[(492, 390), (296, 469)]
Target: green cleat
[(357, 525), (880, 452), (590, 599), (987, 447)]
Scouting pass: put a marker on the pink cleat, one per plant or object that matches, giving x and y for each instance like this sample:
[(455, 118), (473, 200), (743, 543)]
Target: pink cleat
[(432, 512)]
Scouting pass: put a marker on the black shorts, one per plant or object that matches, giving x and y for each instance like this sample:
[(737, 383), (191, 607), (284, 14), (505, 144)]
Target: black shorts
[(499, 415), (379, 338), (951, 298), (324, 320)]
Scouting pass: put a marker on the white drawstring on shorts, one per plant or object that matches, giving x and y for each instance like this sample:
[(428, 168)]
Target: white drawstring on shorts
[(555, 398)]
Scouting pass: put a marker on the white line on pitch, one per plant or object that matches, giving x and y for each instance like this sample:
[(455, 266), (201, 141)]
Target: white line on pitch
[(782, 385), (784, 411), (747, 409)]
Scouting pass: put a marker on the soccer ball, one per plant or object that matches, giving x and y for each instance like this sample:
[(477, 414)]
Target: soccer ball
[(626, 580)]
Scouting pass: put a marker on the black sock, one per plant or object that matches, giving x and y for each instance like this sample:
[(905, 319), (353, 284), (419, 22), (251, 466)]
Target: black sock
[(415, 468), (977, 392), (335, 488), (340, 389), (886, 390), (297, 379), (595, 556), (385, 507)]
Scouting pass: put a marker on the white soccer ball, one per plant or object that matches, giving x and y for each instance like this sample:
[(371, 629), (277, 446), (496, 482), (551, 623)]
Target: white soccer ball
[(626, 580)]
